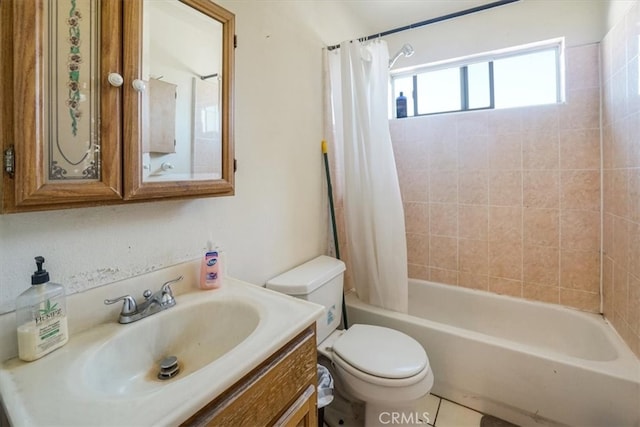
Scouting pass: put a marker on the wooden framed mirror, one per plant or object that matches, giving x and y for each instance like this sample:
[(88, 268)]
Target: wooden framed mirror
[(178, 69)]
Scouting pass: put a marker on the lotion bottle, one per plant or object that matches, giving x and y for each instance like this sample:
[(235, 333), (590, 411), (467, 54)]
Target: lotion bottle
[(41, 316)]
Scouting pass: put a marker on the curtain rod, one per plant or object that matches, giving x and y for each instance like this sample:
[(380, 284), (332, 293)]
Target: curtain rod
[(433, 20)]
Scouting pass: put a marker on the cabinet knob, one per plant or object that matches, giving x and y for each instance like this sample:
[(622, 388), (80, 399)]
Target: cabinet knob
[(139, 85), (115, 79)]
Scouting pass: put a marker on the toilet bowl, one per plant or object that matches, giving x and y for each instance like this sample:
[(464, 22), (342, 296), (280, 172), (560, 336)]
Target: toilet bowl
[(384, 368)]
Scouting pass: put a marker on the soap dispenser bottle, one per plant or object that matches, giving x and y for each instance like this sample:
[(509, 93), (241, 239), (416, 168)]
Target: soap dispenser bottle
[(41, 316)]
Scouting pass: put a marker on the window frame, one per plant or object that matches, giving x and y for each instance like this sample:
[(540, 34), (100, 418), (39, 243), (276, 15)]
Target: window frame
[(556, 45)]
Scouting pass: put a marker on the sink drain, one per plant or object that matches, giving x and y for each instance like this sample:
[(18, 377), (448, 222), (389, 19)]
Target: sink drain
[(169, 368)]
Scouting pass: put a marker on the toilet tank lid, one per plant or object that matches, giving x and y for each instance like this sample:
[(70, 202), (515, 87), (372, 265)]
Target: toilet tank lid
[(306, 278)]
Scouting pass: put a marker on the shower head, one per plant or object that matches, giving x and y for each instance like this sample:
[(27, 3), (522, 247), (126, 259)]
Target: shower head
[(406, 50)]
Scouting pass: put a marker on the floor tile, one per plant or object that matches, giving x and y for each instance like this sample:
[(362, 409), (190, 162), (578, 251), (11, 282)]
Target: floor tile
[(453, 415), (429, 404)]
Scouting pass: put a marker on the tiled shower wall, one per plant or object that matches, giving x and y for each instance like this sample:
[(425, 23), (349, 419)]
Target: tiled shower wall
[(621, 172), (509, 200)]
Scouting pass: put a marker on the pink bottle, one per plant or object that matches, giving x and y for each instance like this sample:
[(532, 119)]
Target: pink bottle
[(210, 271)]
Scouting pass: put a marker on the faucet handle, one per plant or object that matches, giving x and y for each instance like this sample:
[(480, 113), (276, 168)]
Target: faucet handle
[(129, 306), (166, 287)]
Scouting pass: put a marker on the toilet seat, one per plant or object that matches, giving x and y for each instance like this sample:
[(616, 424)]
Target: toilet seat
[(378, 381), (380, 355)]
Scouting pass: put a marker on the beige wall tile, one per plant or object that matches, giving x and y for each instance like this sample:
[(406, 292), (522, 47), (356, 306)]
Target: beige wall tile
[(418, 249), (505, 286), (580, 189), (441, 127), (505, 260), (412, 155), (473, 222), (541, 189), (634, 248), (607, 234), (508, 120), (540, 149), (580, 230), (607, 145), (414, 184), (443, 154), (541, 265), (473, 281), (448, 277), (443, 252), (418, 271), (583, 67), (580, 270), (505, 224), (541, 293), (581, 300), (443, 219), (472, 152), (472, 123), (505, 188), (617, 200), (620, 245), (416, 217), (416, 129), (443, 186), (607, 286), (474, 187), (634, 193), (621, 292), (541, 227), (580, 149), (473, 256), (541, 117), (505, 151), (634, 304), (582, 109)]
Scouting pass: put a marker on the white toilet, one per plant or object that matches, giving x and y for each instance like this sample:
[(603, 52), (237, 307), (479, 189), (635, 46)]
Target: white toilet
[(384, 368)]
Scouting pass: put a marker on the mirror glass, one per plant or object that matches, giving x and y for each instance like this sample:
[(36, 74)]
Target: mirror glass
[(181, 123)]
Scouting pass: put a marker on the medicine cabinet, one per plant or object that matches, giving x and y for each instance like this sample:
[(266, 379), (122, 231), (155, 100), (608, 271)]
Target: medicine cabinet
[(115, 101)]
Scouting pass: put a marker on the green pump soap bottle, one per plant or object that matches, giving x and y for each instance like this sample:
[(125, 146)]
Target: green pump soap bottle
[(41, 316)]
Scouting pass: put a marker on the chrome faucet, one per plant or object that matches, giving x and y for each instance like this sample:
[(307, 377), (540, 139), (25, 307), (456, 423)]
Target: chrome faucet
[(152, 304)]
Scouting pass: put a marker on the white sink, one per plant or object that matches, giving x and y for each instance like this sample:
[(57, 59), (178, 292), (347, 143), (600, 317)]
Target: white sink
[(107, 375), (127, 364)]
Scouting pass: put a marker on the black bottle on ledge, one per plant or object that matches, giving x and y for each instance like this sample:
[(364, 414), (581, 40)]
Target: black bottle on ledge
[(401, 106)]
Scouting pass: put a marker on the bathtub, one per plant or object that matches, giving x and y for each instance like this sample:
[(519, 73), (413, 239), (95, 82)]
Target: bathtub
[(526, 362)]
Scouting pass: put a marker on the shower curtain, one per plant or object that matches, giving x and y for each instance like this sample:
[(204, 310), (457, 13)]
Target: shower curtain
[(365, 176)]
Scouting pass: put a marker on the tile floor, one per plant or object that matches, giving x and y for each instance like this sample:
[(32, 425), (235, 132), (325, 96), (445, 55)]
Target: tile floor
[(442, 413)]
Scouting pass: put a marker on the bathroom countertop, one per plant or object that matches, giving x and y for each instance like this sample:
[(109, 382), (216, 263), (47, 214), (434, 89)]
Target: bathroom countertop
[(53, 390)]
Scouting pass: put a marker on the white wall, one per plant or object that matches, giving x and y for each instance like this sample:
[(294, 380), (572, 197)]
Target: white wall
[(278, 217), (526, 21)]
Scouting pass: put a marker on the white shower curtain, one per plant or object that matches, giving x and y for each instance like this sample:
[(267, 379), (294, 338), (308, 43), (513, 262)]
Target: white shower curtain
[(365, 175)]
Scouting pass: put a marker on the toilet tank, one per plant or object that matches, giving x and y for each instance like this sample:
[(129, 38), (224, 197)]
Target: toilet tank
[(320, 281)]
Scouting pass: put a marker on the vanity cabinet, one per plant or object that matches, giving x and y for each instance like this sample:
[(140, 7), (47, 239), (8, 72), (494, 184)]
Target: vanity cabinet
[(75, 120), (281, 391)]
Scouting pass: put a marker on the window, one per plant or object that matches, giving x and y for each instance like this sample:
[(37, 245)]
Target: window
[(526, 75)]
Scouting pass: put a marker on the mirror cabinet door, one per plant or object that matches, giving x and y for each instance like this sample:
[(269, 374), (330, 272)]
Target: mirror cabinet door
[(60, 115), (178, 110)]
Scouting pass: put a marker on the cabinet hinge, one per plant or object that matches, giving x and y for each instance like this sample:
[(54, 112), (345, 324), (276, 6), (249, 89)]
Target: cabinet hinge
[(235, 165), (9, 161), (235, 41)]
